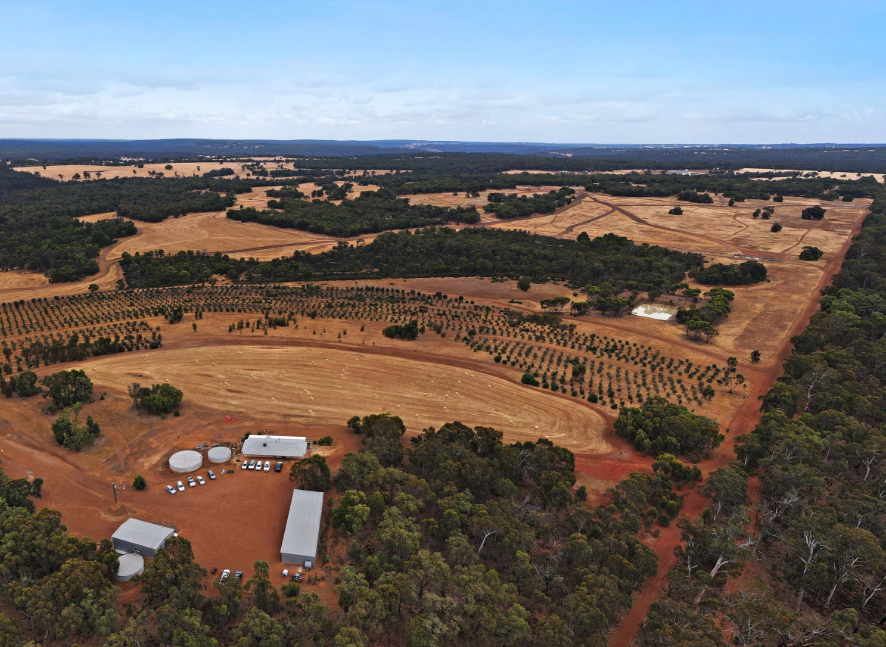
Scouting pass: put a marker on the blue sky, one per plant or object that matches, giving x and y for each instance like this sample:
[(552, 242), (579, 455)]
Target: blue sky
[(554, 71)]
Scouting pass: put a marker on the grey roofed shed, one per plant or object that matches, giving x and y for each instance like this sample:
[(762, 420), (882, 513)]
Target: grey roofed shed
[(302, 528), (136, 536), (275, 446)]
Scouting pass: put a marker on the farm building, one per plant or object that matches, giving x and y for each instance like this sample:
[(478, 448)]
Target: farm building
[(275, 446), (302, 528), (140, 537)]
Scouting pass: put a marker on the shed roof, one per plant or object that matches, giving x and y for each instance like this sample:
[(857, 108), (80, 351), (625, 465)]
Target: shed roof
[(291, 446), (143, 533), (303, 524)]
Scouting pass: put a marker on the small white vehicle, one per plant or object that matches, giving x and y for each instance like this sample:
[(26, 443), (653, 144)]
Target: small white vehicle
[(225, 575), (245, 465), (170, 489), (181, 486), (191, 481), (267, 466), (200, 480), (211, 475), (257, 466)]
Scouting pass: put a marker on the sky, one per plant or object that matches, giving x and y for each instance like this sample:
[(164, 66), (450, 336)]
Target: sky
[(743, 72)]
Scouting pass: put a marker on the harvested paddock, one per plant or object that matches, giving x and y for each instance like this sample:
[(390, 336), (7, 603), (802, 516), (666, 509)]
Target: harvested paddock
[(215, 232), (315, 386)]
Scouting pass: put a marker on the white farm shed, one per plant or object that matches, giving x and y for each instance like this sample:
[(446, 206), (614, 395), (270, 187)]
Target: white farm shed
[(302, 528), (275, 446)]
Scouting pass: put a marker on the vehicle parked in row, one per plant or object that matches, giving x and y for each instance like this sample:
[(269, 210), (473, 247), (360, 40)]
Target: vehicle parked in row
[(267, 466), (170, 489), (225, 575), (278, 466), (239, 575), (200, 480), (252, 464), (191, 481), (211, 475), (180, 486), (245, 465)]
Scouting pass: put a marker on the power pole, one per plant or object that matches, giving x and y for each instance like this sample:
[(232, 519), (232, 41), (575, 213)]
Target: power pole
[(114, 485)]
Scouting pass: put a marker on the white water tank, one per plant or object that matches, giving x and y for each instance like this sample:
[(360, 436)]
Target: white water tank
[(130, 566), (219, 454), (185, 461)]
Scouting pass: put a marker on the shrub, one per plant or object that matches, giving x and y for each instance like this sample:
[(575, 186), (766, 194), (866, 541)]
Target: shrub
[(776, 227), (139, 482)]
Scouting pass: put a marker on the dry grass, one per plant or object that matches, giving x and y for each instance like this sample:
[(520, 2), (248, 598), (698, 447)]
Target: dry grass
[(312, 386)]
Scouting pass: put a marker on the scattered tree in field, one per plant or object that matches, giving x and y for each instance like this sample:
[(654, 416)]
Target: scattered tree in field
[(160, 399), (815, 212), (408, 332), (700, 329), (810, 253), (139, 482), (24, 385), (734, 274), (67, 388), (93, 287), (776, 227), (70, 433), (676, 211), (555, 304), (523, 283)]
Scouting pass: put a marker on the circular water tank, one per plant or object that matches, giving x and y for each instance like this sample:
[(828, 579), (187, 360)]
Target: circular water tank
[(219, 455), (186, 461), (130, 566)]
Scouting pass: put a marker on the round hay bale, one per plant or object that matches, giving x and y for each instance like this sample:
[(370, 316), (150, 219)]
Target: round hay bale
[(219, 454), (130, 566), (186, 461)]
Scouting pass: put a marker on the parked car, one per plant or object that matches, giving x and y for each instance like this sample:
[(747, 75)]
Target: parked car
[(245, 465), (257, 466), (214, 570), (181, 486), (211, 475), (278, 466), (170, 489), (200, 480), (239, 575), (252, 464), (225, 574), (267, 466), (191, 481)]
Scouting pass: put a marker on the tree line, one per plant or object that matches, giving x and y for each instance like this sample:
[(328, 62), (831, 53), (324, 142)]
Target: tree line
[(437, 252), (370, 212)]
